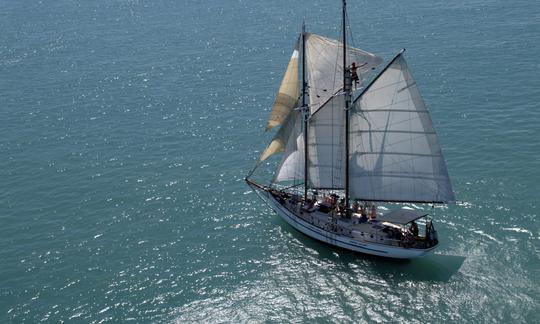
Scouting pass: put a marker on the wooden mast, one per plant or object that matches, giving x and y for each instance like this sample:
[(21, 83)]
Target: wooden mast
[(346, 88), (305, 110)]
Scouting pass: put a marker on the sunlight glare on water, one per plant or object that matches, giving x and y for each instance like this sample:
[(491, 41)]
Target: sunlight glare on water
[(128, 127)]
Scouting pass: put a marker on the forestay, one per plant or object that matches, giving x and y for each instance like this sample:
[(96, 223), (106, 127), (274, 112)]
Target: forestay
[(395, 154)]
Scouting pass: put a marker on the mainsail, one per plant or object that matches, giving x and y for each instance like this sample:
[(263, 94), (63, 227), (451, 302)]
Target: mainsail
[(326, 131), (395, 154), (324, 64), (326, 138), (288, 92)]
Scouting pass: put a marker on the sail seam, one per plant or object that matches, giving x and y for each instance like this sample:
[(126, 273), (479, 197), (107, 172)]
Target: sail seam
[(391, 110), (400, 153), (392, 131)]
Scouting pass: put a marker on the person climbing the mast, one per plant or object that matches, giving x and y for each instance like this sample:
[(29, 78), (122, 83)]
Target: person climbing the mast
[(354, 74)]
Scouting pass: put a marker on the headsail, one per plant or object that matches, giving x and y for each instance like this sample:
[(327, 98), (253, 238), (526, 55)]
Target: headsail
[(324, 60), (288, 139), (288, 92), (291, 166), (395, 154), (280, 140)]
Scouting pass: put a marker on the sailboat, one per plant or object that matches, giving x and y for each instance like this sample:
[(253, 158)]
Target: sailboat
[(352, 144)]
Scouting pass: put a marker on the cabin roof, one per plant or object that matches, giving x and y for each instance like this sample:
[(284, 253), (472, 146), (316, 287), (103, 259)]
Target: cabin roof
[(402, 216)]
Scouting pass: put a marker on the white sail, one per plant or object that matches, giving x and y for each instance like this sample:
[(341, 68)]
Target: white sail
[(395, 154), (288, 93), (326, 130), (326, 140), (324, 64), (291, 166)]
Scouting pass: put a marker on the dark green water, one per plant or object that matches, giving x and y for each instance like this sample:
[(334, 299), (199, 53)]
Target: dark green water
[(128, 126)]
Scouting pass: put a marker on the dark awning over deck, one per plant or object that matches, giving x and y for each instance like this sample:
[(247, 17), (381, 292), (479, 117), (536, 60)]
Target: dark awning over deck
[(402, 216)]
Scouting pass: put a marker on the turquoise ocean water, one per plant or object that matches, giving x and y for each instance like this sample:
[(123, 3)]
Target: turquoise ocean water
[(126, 128)]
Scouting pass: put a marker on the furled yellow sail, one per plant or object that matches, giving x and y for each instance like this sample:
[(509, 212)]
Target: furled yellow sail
[(277, 145), (288, 92), (291, 129)]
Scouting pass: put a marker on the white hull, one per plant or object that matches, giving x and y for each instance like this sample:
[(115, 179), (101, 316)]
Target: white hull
[(343, 241)]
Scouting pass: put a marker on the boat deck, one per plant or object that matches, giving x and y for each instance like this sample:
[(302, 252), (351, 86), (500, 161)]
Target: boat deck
[(363, 231)]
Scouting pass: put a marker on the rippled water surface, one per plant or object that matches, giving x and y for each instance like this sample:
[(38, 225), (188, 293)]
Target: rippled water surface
[(128, 126)]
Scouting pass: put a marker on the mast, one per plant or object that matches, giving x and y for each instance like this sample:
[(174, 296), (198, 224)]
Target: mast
[(305, 109), (346, 88)]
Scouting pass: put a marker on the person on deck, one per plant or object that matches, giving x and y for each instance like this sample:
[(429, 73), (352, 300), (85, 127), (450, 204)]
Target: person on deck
[(363, 218), (355, 206), (373, 213), (309, 206), (414, 229)]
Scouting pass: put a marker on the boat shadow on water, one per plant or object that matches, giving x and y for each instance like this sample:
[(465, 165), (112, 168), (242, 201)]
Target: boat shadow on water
[(432, 267)]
